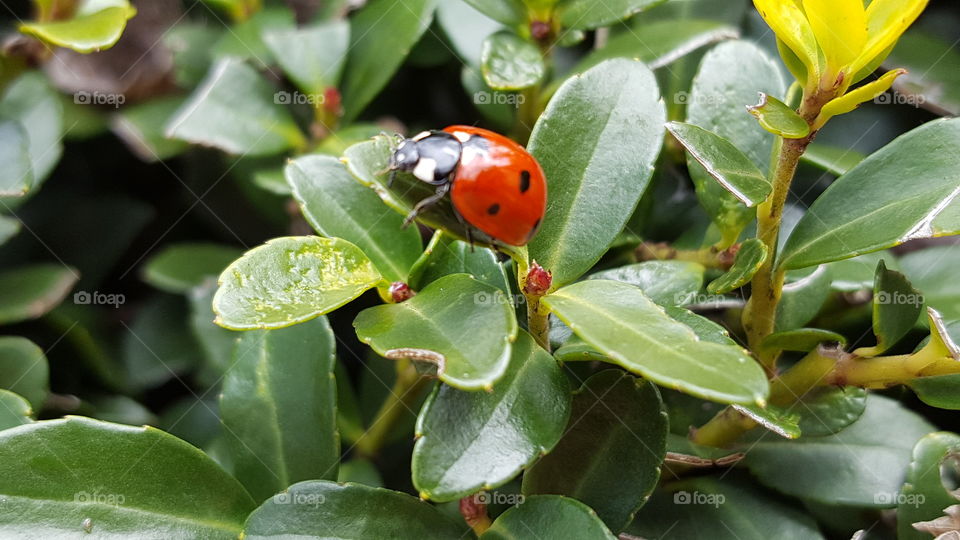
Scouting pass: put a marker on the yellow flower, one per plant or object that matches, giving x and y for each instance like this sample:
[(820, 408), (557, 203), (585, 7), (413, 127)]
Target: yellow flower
[(830, 45)]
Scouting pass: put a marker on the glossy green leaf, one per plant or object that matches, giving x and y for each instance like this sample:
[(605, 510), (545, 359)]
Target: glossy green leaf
[(29, 292), (777, 118), (17, 176), (620, 321), (725, 162), (75, 475), (322, 509), (24, 370), (278, 406), (862, 465), (803, 296), (509, 62), (445, 255), (157, 345), (14, 410), (896, 308), (728, 507), (924, 495), (472, 441), (668, 283), (750, 257), (826, 411), (931, 270), (782, 422), (704, 328), (836, 161), (463, 326), (291, 280), (890, 210), (801, 339), (312, 56), (588, 14), (550, 516), (942, 391), (338, 141), (508, 12), (858, 273), (609, 457), (88, 31), (728, 79), (181, 267), (34, 103), (339, 206), (594, 185), (142, 127), (237, 111), (382, 33), (466, 28), (577, 350)]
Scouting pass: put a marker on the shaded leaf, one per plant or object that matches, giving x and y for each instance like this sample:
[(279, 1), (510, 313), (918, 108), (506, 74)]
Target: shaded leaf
[(896, 308), (157, 345), (668, 283), (312, 56), (750, 257), (924, 496), (836, 161), (14, 410), (180, 267), (508, 12), (803, 296), (801, 339), (32, 101), (588, 14), (445, 255), (551, 516), (24, 370), (942, 391), (142, 127), (509, 62), (825, 411), (17, 176), (932, 271), (29, 292)]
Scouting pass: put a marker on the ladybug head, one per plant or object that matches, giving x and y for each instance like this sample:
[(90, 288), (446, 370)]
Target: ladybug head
[(406, 156)]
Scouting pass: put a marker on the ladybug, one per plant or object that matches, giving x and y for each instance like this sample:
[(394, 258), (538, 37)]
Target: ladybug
[(493, 182)]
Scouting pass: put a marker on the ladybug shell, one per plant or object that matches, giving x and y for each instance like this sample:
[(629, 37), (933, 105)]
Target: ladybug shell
[(498, 187)]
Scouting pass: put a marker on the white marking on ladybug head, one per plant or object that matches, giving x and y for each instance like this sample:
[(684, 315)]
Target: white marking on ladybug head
[(422, 135), (461, 136), (425, 169)]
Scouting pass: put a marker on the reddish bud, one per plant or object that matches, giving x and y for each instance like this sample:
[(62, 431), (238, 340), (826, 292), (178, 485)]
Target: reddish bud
[(538, 280), (540, 30), (474, 512), (400, 291), (331, 100)]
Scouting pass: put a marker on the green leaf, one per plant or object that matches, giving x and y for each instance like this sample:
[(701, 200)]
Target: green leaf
[(931, 270), (551, 516), (14, 410), (826, 411), (933, 66), (729, 507), (593, 185), (924, 495), (291, 280), (33, 102), (360, 471), (469, 441), (463, 326), (445, 255), (339, 206), (610, 456), (466, 29), (104, 476), (896, 308), (382, 34), (668, 283), (589, 14), (142, 127), (17, 177), (703, 327), (215, 342), (9, 227), (890, 210), (346, 511), (835, 160), (942, 391), (857, 466), (88, 31), (777, 118), (725, 162), (31, 291), (245, 40), (801, 339), (237, 111), (278, 406), (509, 62), (190, 44), (508, 12), (620, 321), (780, 421), (180, 267), (312, 56), (158, 345), (858, 273), (24, 370), (750, 257), (803, 296), (726, 81)]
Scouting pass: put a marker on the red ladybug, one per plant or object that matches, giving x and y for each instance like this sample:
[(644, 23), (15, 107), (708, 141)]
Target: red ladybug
[(494, 183)]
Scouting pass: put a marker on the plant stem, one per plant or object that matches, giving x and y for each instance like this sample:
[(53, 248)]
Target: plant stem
[(538, 321), (405, 391)]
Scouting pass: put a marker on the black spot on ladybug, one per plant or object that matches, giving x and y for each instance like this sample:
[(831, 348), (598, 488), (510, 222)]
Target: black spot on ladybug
[(494, 209), (524, 181)]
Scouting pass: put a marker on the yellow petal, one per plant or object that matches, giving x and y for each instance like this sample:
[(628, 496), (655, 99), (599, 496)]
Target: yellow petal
[(840, 27), (887, 20), (854, 98), (788, 22)]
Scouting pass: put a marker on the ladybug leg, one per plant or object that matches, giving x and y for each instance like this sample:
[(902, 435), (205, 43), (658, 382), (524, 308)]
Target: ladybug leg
[(441, 192), (393, 176)]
